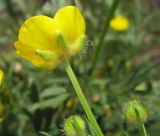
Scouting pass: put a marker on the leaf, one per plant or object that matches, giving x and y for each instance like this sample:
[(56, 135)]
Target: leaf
[(49, 103), (52, 91), (56, 80), (98, 81)]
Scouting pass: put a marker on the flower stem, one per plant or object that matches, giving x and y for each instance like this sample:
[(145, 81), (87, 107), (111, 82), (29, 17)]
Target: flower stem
[(104, 31), (82, 98), (142, 130)]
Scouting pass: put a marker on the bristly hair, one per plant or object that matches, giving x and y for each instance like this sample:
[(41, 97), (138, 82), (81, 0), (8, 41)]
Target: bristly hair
[(88, 46)]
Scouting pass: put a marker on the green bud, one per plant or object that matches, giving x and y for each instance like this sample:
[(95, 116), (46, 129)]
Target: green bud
[(70, 125), (129, 111), (61, 42), (46, 55)]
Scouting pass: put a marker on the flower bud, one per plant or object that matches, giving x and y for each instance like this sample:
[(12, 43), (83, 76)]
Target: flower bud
[(70, 123), (129, 111)]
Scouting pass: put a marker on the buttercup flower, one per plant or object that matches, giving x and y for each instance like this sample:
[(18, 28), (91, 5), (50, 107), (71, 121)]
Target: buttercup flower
[(1, 76), (45, 41), (119, 23)]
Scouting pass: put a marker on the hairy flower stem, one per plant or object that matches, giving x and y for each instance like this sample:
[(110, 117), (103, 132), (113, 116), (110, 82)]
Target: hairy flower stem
[(103, 33), (141, 127), (82, 98)]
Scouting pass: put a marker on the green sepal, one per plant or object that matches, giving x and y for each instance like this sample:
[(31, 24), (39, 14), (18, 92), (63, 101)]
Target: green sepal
[(79, 44), (46, 55), (61, 42)]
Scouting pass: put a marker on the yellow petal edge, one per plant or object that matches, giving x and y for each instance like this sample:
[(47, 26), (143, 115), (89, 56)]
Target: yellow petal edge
[(1, 76)]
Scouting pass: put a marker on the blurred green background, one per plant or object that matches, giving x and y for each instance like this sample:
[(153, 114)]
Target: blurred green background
[(128, 68)]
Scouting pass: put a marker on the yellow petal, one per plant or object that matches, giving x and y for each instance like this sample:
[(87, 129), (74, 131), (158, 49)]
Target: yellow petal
[(71, 23), (27, 53), (38, 33), (31, 55), (1, 76), (24, 51)]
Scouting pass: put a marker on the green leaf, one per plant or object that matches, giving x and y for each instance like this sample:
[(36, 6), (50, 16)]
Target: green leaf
[(98, 81), (52, 91), (49, 103)]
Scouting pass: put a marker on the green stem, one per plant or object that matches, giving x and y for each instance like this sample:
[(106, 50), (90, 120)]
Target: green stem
[(142, 130), (82, 98), (104, 31)]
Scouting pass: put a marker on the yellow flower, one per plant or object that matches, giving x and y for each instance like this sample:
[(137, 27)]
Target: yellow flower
[(119, 23), (45, 41), (1, 76)]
